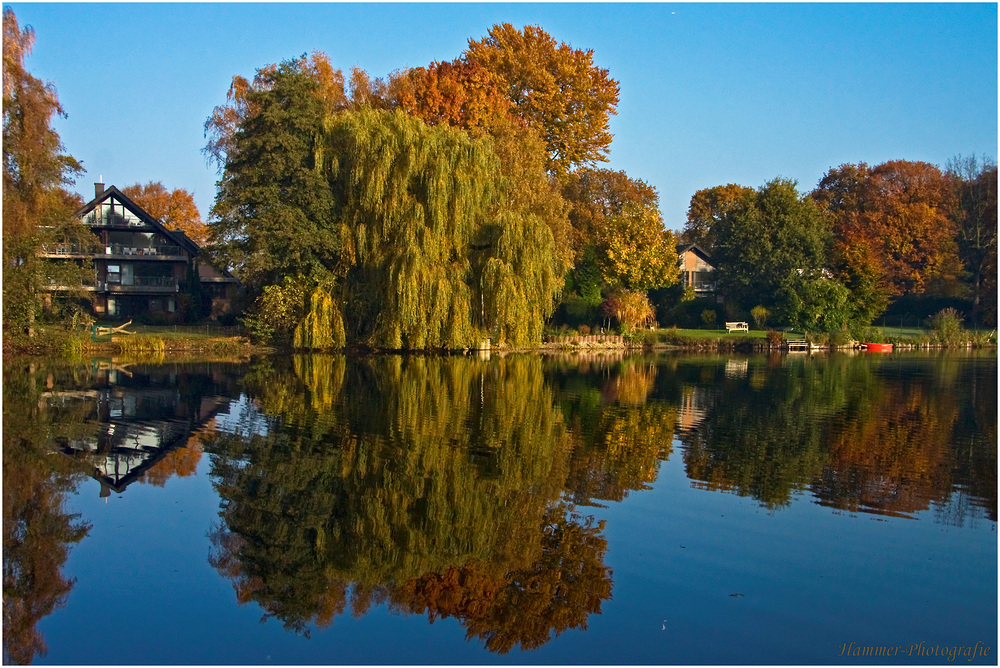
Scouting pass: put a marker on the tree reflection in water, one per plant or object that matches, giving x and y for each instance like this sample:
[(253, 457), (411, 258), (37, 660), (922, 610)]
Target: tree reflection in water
[(450, 487), (37, 530), (890, 437), (456, 487), (432, 485)]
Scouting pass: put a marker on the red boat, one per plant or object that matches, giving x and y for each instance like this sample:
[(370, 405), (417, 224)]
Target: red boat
[(878, 347)]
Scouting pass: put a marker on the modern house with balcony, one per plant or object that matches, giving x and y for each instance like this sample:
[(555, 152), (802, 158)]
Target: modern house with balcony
[(140, 266), (697, 270)]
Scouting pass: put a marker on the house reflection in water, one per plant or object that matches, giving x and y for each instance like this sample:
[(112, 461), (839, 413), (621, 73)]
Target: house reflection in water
[(141, 417), (692, 409)]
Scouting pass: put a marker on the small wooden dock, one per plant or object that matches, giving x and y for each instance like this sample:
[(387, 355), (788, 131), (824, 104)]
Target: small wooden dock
[(797, 345)]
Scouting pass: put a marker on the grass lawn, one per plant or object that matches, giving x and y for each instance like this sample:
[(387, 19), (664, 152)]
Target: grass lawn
[(722, 333), (186, 332)]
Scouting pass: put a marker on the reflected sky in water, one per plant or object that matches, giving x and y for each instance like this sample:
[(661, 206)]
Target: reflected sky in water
[(662, 509)]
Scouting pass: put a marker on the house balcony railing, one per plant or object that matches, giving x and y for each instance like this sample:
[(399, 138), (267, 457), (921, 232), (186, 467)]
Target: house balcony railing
[(88, 285), (114, 250), (145, 251), (145, 284), (113, 221), (68, 249)]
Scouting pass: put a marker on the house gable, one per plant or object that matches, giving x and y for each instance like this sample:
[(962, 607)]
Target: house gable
[(113, 209), (697, 270), (689, 256)]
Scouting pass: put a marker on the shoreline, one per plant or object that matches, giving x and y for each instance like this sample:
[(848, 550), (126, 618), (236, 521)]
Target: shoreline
[(153, 347)]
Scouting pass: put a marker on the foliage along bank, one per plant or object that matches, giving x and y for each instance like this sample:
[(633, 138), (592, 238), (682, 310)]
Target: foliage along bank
[(428, 211)]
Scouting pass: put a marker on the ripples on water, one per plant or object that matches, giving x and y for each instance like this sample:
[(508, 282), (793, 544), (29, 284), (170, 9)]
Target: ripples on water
[(554, 508)]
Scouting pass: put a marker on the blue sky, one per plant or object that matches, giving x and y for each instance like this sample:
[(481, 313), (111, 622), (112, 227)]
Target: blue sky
[(710, 93)]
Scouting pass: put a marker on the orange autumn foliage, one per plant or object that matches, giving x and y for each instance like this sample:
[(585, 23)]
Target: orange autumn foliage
[(174, 208)]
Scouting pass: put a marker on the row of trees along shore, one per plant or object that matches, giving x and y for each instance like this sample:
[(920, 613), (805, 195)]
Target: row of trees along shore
[(460, 201)]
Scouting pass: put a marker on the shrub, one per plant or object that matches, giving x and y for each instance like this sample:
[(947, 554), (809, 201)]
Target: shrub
[(708, 317), (228, 347), (871, 335), (633, 336), (140, 344), (73, 346), (840, 337), (584, 330), (774, 338), (982, 339), (947, 326), (276, 312), (760, 315), (817, 338)]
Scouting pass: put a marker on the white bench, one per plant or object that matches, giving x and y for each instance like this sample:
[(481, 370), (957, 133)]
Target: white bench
[(737, 327)]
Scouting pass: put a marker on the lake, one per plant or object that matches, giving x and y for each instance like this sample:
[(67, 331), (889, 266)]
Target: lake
[(610, 509)]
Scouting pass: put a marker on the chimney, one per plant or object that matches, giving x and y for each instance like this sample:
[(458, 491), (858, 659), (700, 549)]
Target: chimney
[(98, 189)]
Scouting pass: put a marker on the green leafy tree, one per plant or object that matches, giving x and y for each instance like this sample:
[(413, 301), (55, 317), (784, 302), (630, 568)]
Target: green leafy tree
[(976, 222), (819, 303), (706, 210), (274, 315), (401, 223), (766, 241), (273, 214)]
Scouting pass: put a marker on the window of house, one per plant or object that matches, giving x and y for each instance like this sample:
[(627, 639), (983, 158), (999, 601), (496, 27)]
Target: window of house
[(114, 273)]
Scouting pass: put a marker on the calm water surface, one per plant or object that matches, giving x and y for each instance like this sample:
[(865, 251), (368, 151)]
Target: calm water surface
[(523, 509)]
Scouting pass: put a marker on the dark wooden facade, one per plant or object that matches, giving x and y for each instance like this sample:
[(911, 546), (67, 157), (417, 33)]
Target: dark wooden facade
[(139, 265)]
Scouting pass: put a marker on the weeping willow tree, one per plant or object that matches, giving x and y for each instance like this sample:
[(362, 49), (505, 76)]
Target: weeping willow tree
[(410, 236), (437, 258), (323, 326)]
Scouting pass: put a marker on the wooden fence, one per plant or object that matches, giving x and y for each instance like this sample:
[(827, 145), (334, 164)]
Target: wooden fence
[(589, 341)]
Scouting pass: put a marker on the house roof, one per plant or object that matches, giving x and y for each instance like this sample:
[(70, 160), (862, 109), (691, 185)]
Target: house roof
[(697, 250), (179, 237), (210, 274)]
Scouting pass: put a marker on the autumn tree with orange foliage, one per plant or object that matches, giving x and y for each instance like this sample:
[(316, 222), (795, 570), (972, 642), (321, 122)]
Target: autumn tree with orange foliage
[(174, 208), (554, 88), (893, 228), (460, 93), (38, 528)]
